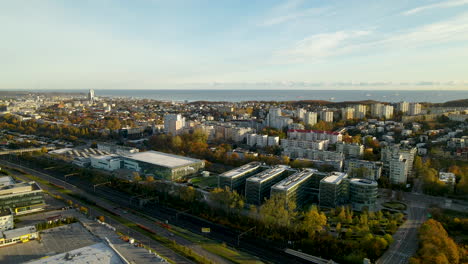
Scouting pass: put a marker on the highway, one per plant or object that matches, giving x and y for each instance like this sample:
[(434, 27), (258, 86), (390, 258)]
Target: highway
[(255, 246)]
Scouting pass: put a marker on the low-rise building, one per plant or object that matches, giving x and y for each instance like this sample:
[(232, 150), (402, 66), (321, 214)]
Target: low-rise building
[(106, 162), (448, 178), (22, 197), (18, 235)]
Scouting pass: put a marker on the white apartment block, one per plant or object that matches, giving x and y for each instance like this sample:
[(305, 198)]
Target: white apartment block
[(310, 118), (360, 111), (350, 150), (312, 135), (347, 113), (381, 110), (403, 107), (372, 169), (398, 170), (306, 144), (414, 109), (326, 116), (312, 154), (173, 123), (261, 140), (300, 113)]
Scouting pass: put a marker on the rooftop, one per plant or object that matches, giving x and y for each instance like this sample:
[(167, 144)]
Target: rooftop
[(97, 253), (363, 182), (19, 188), (314, 131), (335, 177), (162, 159), (17, 232), (294, 179), (268, 174), (241, 170), (6, 180), (107, 157)]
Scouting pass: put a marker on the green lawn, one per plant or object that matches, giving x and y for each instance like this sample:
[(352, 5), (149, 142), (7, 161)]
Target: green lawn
[(211, 181)]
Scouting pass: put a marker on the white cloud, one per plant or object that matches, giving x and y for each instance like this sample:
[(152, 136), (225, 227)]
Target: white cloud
[(289, 11), (446, 4)]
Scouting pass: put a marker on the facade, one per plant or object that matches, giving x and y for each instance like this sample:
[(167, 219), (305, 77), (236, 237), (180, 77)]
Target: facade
[(162, 165), (235, 179), (257, 187), (310, 118), (313, 135), (276, 120), (414, 109), (6, 219), (326, 116), (305, 144), (300, 187), (353, 150), (387, 111), (393, 152), (173, 123), (360, 111), (347, 113), (398, 170), (91, 95), (363, 194), (300, 113), (21, 198), (334, 190), (376, 110), (403, 107), (106, 162), (312, 154), (371, 170), (18, 235)]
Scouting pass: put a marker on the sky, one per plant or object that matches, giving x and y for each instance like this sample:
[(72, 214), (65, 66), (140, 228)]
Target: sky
[(231, 44)]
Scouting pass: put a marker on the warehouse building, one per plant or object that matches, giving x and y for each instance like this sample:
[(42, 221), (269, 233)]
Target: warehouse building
[(106, 162), (363, 194), (18, 235), (22, 197), (257, 187), (300, 187), (162, 165), (334, 190), (235, 179)]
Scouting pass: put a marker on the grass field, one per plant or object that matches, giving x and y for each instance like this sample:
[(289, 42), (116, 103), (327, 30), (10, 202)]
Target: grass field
[(395, 205), (211, 181)]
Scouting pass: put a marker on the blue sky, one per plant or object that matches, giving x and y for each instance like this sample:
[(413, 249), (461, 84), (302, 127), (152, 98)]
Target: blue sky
[(305, 44)]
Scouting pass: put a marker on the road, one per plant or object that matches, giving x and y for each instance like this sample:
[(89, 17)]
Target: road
[(405, 242), (265, 250)]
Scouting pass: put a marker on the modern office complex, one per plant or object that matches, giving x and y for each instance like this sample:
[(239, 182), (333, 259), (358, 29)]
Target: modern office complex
[(106, 162), (235, 179), (334, 190), (257, 187), (371, 170), (22, 197), (162, 165), (301, 187), (363, 194)]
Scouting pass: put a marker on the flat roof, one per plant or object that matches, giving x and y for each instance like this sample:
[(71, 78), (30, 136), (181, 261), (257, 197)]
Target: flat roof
[(17, 232), (162, 159), (335, 177), (294, 179), (97, 253), (241, 170), (6, 180), (106, 157), (363, 182), (268, 174)]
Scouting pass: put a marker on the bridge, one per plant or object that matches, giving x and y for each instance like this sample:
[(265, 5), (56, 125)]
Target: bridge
[(11, 151), (308, 257)]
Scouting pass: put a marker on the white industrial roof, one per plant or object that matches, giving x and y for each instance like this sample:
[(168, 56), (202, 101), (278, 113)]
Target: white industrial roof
[(97, 253), (6, 180), (242, 170), (335, 177), (162, 159), (17, 232), (268, 174)]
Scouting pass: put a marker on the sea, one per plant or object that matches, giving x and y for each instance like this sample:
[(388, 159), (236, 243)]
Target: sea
[(432, 96)]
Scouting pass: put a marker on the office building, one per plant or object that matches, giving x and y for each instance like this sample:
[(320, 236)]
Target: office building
[(21, 198), (18, 235), (6, 219), (91, 95), (414, 109), (257, 187), (403, 107), (300, 187), (334, 190), (326, 116), (353, 150), (363, 194), (106, 162), (347, 113), (235, 179), (174, 123), (162, 165), (371, 170), (310, 118)]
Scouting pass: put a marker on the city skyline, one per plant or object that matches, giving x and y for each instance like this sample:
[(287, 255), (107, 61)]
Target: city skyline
[(209, 45)]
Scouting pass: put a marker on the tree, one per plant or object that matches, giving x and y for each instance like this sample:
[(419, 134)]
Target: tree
[(149, 178), (101, 218), (136, 176), (314, 221)]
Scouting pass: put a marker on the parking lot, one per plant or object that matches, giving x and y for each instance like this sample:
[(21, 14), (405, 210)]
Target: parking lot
[(53, 241)]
